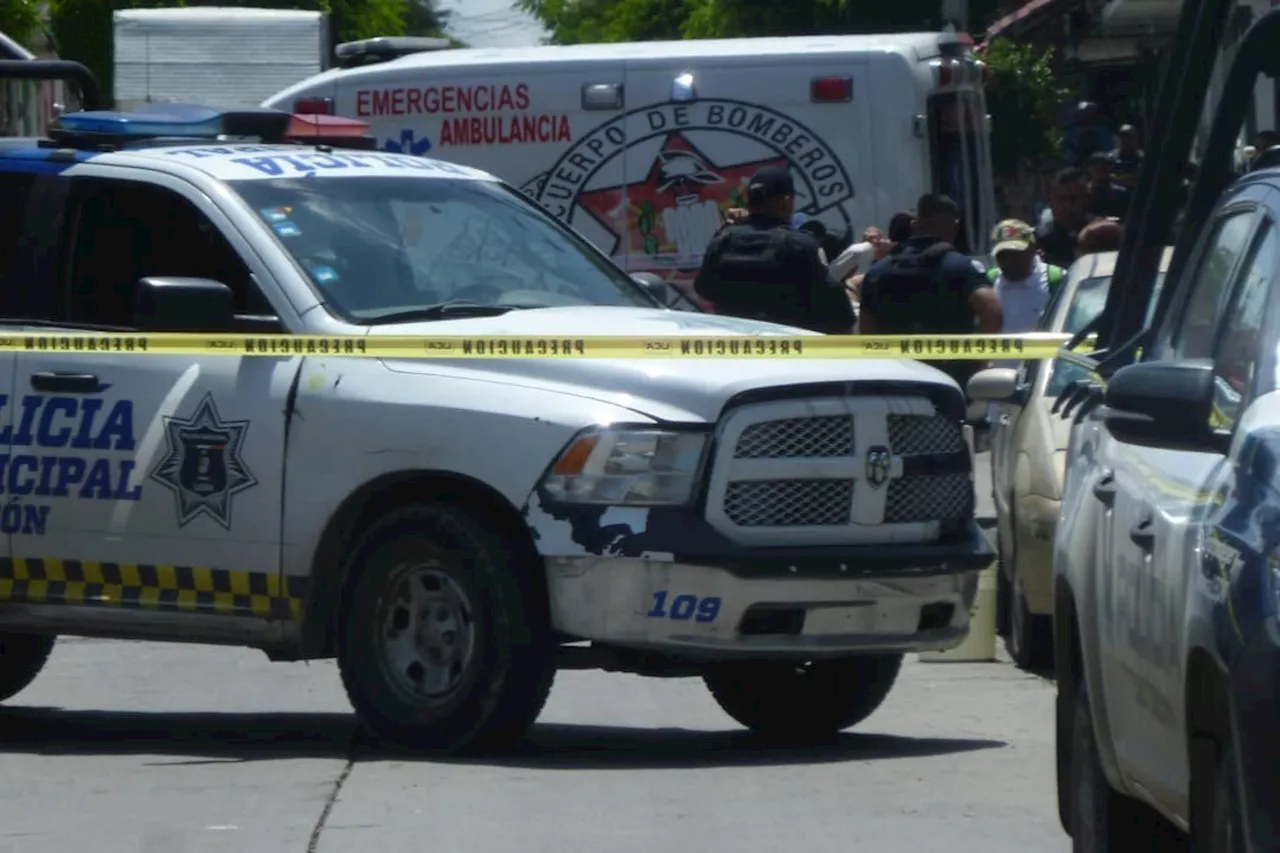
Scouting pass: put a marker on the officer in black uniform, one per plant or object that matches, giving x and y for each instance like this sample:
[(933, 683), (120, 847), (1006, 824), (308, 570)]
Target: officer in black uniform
[(762, 269), (927, 287)]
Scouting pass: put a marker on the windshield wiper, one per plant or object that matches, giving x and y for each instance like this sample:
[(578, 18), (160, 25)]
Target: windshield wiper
[(442, 311)]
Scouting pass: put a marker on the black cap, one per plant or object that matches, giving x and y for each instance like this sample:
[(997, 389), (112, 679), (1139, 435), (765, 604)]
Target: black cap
[(769, 183)]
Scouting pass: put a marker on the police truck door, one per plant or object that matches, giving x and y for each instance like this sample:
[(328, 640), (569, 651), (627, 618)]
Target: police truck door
[(151, 482)]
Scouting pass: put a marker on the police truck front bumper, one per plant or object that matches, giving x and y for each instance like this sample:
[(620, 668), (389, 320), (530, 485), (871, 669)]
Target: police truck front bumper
[(802, 604)]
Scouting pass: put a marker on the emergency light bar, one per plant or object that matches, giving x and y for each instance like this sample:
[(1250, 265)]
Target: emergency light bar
[(169, 121), (334, 131)]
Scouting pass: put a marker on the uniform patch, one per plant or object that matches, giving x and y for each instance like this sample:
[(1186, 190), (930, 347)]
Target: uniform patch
[(979, 266), (203, 465)]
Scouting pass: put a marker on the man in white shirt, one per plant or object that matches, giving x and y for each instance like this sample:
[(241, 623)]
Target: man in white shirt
[(859, 257), (1023, 281)]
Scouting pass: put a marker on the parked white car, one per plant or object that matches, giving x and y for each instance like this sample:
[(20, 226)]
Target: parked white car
[(1028, 458)]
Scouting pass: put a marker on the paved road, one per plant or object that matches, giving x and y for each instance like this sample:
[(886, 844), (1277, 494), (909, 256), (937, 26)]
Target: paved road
[(151, 748)]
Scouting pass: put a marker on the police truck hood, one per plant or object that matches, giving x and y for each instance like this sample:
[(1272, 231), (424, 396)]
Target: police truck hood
[(672, 389)]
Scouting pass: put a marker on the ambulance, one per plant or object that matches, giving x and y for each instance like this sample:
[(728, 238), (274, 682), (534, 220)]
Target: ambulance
[(641, 147)]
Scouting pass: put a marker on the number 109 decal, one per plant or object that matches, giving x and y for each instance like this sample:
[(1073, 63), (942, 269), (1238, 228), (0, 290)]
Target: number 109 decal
[(682, 608)]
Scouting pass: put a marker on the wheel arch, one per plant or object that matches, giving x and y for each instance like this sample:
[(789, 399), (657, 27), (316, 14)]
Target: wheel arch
[(373, 500)]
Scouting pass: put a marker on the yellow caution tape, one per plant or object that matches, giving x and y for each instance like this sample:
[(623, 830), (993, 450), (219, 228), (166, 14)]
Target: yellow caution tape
[(1035, 345)]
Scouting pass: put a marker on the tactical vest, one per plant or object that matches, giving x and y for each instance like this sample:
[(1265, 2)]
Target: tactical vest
[(911, 293)]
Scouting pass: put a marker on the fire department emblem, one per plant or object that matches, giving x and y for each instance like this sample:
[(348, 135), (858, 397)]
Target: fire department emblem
[(673, 169), (203, 464), (879, 466)]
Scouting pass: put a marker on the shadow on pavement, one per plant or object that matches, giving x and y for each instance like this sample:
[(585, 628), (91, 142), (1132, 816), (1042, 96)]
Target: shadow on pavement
[(566, 747), (198, 738), (219, 737)]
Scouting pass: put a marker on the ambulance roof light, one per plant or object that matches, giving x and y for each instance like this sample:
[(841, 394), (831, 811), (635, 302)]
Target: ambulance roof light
[(107, 128), (385, 48)]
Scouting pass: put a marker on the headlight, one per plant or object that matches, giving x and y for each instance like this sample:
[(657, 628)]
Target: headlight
[(618, 466)]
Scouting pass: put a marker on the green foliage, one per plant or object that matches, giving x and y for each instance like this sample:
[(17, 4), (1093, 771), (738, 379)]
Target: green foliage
[(425, 18), (19, 19), (1023, 96), (581, 21)]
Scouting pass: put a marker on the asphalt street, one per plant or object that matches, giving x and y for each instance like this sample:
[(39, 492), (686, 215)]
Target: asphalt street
[(153, 748)]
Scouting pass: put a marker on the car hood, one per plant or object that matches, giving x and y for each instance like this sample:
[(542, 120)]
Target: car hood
[(673, 389)]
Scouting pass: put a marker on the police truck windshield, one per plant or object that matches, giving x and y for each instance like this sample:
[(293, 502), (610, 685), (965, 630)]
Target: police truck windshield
[(383, 249)]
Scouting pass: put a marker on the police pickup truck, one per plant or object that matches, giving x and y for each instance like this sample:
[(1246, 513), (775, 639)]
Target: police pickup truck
[(451, 530)]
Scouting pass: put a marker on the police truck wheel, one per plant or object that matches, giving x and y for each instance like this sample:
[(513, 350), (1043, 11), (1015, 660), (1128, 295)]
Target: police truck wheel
[(1226, 833), (22, 656), (444, 640), (809, 701), (1102, 820)]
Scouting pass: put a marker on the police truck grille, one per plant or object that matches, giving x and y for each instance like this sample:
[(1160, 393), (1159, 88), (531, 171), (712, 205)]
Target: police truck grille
[(913, 434), (797, 438), (839, 471), (933, 497), (788, 503)]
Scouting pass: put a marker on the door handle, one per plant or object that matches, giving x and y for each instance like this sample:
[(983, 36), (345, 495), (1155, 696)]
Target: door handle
[(1105, 490), (67, 383), (1143, 535)]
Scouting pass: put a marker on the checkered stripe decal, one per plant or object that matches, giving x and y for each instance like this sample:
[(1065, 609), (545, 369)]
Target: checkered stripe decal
[(181, 589)]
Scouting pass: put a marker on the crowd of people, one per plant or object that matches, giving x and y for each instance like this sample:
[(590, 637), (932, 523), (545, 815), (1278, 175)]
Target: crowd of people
[(767, 262)]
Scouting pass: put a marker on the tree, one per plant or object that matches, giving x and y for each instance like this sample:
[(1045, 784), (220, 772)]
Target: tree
[(1023, 96), (425, 18), (579, 21), (19, 19)]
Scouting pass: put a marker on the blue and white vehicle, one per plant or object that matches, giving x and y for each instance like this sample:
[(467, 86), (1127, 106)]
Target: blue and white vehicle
[(451, 531)]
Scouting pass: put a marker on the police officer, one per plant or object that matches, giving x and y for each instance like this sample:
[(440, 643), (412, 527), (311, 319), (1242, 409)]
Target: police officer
[(927, 287), (762, 269)]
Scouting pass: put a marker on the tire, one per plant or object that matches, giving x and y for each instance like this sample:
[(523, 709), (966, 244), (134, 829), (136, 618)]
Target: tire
[(1226, 834), (1030, 638), (474, 677), (1102, 820), (1004, 592), (22, 657), (797, 701)]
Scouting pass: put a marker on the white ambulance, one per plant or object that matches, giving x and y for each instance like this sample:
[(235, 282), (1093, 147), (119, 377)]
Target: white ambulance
[(639, 147)]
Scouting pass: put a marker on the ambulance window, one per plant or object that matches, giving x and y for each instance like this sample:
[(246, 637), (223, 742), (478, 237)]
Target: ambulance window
[(122, 231), (14, 192), (955, 151)]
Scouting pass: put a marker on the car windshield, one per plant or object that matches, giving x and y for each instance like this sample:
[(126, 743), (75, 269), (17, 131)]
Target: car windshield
[(384, 249), (1086, 304)]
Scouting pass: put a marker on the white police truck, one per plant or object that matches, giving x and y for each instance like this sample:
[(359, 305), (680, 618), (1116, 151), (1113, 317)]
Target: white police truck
[(451, 530)]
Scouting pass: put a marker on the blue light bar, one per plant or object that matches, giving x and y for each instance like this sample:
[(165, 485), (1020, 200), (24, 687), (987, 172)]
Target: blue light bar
[(173, 121), (200, 122)]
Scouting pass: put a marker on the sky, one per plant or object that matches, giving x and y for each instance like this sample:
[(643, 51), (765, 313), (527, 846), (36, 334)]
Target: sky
[(492, 23)]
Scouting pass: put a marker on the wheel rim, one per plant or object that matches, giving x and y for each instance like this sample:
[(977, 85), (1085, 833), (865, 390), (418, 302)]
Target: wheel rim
[(427, 632)]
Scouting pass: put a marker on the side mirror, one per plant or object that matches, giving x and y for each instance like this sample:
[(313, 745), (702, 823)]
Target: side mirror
[(996, 385), (657, 288), (163, 304), (1164, 404)]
